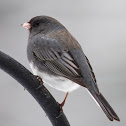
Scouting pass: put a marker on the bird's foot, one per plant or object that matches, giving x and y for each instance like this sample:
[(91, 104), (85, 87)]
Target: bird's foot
[(41, 82), (62, 104), (61, 107), (61, 110)]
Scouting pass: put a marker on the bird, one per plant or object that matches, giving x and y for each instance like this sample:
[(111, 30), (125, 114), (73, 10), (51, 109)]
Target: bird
[(56, 56)]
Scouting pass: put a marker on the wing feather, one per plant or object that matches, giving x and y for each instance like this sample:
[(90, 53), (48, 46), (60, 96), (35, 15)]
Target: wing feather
[(57, 59)]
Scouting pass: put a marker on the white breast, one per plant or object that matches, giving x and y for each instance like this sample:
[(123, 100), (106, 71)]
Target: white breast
[(59, 83)]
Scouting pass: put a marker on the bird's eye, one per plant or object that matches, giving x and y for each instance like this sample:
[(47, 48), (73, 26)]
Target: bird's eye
[(36, 24)]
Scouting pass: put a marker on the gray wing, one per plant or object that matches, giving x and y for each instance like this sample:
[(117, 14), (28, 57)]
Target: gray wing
[(55, 57)]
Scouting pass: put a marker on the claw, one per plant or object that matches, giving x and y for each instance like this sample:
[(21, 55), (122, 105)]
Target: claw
[(41, 82)]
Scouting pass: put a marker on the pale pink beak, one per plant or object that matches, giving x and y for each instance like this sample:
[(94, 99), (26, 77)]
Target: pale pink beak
[(26, 25)]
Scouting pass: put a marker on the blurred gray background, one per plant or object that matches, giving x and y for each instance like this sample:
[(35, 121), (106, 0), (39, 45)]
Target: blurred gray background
[(99, 26)]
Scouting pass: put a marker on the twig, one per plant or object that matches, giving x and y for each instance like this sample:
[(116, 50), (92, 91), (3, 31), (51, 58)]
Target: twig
[(30, 83)]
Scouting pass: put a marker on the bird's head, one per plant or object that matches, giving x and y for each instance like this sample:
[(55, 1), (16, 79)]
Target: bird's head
[(42, 24)]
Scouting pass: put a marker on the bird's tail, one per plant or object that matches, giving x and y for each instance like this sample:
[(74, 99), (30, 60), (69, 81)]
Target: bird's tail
[(105, 106)]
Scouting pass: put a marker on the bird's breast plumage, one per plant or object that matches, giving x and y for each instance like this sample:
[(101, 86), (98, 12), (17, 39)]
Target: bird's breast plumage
[(57, 82)]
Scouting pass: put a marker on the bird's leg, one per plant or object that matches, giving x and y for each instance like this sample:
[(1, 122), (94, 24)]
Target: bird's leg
[(62, 104), (40, 80)]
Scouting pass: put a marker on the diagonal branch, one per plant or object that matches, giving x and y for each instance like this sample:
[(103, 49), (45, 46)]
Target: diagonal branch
[(29, 82)]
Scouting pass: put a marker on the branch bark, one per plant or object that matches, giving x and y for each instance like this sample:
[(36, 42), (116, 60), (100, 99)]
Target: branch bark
[(30, 83)]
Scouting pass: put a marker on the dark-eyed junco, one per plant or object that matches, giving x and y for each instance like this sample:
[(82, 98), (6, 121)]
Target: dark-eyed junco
[(56, 56)]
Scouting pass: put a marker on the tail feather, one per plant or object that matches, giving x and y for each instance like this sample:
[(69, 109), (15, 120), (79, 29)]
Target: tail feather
[(105, 106)]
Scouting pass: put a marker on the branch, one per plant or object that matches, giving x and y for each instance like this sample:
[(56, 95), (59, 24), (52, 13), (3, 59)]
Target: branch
[(30, 83)]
